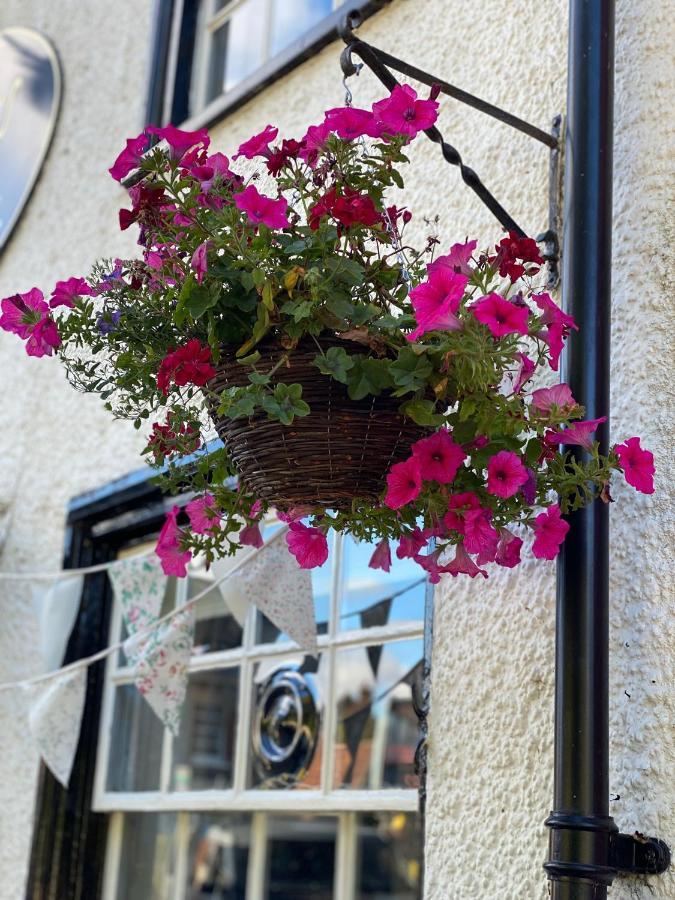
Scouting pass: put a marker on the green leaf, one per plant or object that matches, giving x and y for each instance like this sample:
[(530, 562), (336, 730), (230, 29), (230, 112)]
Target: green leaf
[(410, 371), (422, 412), (368, 376), (286, 403), (340, 306), (194, 299), (259, 378), (345, 270), (336, 362)]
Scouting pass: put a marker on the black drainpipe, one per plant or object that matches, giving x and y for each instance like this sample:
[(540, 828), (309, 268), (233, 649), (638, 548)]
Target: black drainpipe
[(586, 851)]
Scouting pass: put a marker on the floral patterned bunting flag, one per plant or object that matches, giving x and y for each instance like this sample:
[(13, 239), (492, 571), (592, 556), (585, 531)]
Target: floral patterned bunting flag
[(161, 666), (54, 719), (139, 585)]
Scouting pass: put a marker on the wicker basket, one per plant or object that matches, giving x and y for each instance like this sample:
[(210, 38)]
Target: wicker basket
[(342, 450)]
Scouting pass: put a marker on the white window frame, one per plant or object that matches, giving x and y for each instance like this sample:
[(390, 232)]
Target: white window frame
[(343, 803)]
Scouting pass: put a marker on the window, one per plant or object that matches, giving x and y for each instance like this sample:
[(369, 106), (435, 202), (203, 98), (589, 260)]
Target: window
[(291, 777), (213, 55)]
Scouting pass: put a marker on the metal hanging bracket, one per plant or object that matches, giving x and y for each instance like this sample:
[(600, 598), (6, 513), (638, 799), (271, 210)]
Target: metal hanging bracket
[(380, 63)]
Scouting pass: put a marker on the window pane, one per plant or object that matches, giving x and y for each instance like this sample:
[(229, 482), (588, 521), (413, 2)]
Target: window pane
[(135, 743), (203, 752), (389, 855), (300, 858), (147, 862), (286, 723), (377, 728), (245, 44), (218, 856), (216, 62), (372, 597), (293, 18), (216, 627)]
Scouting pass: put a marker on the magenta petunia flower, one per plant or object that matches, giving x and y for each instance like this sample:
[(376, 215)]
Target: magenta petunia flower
[(314, 141), (579, 433), (404, 483), (508, 549), (258, 145), (550, 530), (181, 141), (174, 560), (44, 339), (65, 292), (439, 457), (410, 544), (130, 158), (250, 536), (381, 558), (525, 372), (294, 513), (29, 316), (500, 315), (637, 464), (203, 514), (458, 506), (199, 262), (429, 562), (457, 260), (261, 209), (190, 364), (560, 396), (403, 113), (506, 474), (462, 564), (552, 312), (216, 168), (348, 123), (479, 535), (558, 326), (529, 489), (308, 545), (436, 301)]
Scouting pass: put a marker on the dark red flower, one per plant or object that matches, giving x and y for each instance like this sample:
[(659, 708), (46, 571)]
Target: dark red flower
[(348, 208), (281, 155), (190, 364), (512, 252), (145, 209)]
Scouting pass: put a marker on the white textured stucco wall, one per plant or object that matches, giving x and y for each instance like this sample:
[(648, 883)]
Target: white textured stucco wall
[(490, 759)]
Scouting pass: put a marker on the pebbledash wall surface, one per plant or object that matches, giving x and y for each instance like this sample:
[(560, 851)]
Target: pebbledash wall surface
[(491, 754)]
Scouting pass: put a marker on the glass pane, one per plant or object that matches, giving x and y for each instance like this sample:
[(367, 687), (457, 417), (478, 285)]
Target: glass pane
[(216, 628), (203, 752), (148, 857), (389, 856), (167, 605), (372, 597), (377, 728), (286, 723), (245, 44), (322, 577), (217, 61), (218, 856), (300, 858), (135, 744), (293, 18)]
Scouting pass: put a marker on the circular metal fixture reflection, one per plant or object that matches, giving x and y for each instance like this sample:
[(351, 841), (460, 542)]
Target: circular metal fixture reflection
[(285, 726)]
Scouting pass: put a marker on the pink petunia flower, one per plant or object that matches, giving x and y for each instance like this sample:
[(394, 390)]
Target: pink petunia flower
[(214, 170), (429, 562), (579, 433), (458, 506), (174, 560), (294, 513), (524, 373), (637, 464), (439, 457), (250, 536), (65, 292), (529, 489), (500, 315), (403, 113), (508, 549), (479, 535), (130, 158), (199, 261), (349, 123), (404, 483), (552, 312), (308, 545), (29, 316), (550, 530), (436, 301), (203, 514), (313, 142), (560, 396), (181, 141), (44, 339), (410, 544), (462, 564), (381, 558), (258, 145), (506, 474), (262, 209), (457, 260), (558, 327)]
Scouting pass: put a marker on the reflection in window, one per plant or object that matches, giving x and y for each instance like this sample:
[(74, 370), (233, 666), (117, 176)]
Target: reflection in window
[(148, 858), (203, 754), (137, 741), (300, 857), (389, 851), (216, 628), (377, 728), (218, 856), (293, 18)]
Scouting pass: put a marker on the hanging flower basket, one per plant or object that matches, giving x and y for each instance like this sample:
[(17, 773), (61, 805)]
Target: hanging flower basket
[(358, 382)]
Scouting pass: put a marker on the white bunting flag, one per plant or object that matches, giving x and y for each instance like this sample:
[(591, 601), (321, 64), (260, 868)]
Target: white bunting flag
[(139, 585), (55, 717), (56, 606), (161, 666), (280, 589)]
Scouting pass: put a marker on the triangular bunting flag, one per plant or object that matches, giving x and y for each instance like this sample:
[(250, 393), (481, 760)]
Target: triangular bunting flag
[(139, 585), (55, 717), (56, 605), (281, 590), (161, 666)]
